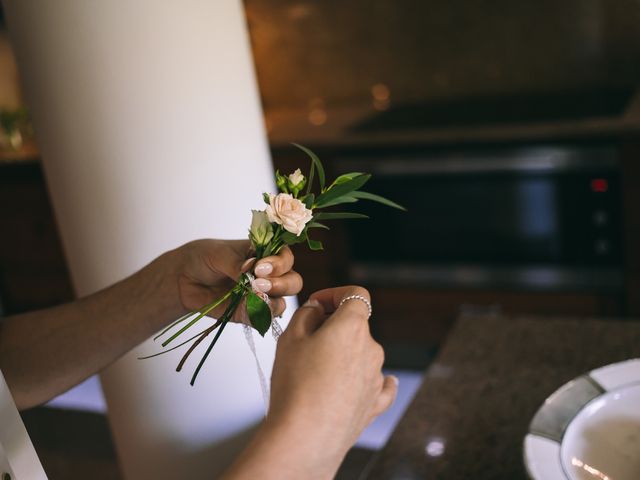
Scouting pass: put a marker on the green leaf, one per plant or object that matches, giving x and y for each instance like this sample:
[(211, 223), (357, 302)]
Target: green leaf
[(314, 244), (265, 197), (338, 215), (346, 177), (315, 161), (317, 225), (340, 200), (310, 177), (259, 313), (291, 239), (342, 189), (377, 198), (308, 200)]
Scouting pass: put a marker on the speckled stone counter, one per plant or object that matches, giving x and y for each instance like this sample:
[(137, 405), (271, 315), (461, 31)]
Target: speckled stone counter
[(469, 417)]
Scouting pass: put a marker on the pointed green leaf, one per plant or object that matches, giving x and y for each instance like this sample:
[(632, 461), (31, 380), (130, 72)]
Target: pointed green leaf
[(265, 197), (338, 215), (308, 200), (314, 244), (346, 177), (291, 239), (342, 189), (316, 161), (377, 198), (310, 177), (317, 225), (340, 200), (259, 313)]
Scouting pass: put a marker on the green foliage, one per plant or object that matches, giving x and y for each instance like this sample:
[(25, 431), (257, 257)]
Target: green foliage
[(377, 198), (345, 177), (338, 215), (314, 244), (340, 200), (308, 200), (316, 164), (317, 225), (289, 238), (259, 313), (338, 191)]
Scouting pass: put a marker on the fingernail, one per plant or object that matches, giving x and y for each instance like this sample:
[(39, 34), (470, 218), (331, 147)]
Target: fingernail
[(264, 269), (262, 284), (395, 379), (247, 263)]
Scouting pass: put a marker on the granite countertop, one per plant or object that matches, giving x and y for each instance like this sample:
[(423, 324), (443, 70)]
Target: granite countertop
[(469, 417)]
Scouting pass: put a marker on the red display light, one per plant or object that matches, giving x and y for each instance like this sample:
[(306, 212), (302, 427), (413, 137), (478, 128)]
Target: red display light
[(599, 185)]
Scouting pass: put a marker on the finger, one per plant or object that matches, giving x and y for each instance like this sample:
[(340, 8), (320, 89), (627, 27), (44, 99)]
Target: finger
[(307, 319), (275, 265), (387, 395), (278, 306), (248, 264), (330, 298), (288, 284)]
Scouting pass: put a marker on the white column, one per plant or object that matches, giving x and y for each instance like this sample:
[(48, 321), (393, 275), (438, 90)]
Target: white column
[(149, 122)]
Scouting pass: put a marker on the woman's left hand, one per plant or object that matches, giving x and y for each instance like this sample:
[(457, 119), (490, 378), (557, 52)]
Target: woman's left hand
[(208, 269)]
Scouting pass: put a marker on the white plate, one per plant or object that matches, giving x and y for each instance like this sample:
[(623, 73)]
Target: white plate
[(589, 429)]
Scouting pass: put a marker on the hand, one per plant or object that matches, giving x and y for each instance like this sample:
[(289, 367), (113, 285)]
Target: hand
[(208, 269), (327, 383)]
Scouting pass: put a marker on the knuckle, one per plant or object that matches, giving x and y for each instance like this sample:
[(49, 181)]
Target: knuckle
[(358, 290), (378, 353), (357, 326), (286, 255)]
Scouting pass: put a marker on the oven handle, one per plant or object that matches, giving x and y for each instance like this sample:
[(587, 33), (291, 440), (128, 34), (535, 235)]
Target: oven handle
[(530, 159)]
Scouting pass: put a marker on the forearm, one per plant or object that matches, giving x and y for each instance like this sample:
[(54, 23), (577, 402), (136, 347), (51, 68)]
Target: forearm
[(286, 450), (44, 353)]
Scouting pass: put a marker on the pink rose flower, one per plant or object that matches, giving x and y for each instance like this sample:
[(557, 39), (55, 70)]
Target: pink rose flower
[(289, 212)]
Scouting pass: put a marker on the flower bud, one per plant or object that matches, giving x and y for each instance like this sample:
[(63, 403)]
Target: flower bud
[(296, 182), (281, 182), (261, 231)]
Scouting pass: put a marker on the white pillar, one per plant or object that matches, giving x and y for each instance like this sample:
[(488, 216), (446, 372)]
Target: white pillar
[(149, 122)]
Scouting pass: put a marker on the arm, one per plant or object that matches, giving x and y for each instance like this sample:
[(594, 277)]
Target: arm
[(44, 353), (327, 386)]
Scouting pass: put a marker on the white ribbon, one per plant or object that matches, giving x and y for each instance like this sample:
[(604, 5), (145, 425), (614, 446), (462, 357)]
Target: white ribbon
[(276, 331)]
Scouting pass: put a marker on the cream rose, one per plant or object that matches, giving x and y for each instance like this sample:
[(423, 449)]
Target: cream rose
[(289, 212)]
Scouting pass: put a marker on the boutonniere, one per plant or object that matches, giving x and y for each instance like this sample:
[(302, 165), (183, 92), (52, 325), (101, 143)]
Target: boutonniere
[(289, 218)]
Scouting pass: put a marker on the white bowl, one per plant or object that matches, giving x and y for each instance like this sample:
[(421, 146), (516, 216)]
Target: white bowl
[(589, 429)]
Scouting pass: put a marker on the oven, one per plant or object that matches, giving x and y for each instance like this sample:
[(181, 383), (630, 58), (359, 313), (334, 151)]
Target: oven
[(545, 217)]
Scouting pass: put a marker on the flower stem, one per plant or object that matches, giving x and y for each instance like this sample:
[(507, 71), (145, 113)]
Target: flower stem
[(203, 311), (202, 336), (226, 316)]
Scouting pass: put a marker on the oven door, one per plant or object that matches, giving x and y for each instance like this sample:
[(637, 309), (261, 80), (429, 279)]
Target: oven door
[(546, 218)]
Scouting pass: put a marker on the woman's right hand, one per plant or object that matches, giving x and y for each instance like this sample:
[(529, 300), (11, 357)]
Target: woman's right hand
[(326, 387)]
